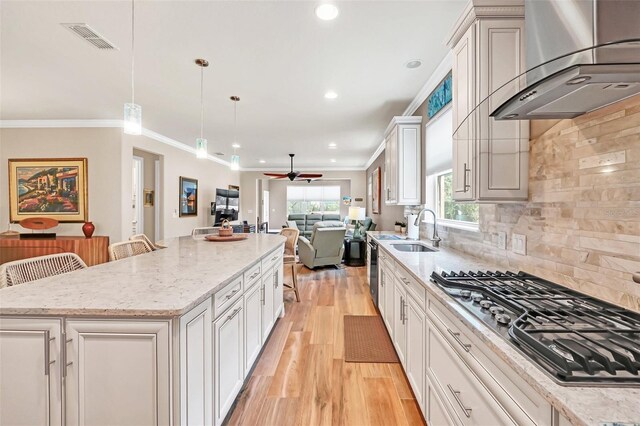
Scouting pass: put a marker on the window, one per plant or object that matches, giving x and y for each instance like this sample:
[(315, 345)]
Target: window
[(448, 209), (313, 199)]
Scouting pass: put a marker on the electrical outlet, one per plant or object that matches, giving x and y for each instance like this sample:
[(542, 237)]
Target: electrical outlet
[(502, 240), (519, 244)]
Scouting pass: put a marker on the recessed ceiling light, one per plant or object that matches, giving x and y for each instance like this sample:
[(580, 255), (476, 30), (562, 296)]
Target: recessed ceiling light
[(333, 145), (235, 145), (333, 160), (327, 12), (262, 161), (331, 94), (415, 63)]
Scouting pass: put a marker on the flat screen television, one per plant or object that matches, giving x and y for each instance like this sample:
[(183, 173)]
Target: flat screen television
[(226, 205)]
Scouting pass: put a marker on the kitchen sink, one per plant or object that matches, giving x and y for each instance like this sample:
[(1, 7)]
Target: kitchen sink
[(413, 247)]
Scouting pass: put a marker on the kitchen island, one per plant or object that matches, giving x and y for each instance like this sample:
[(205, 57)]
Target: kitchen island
[(460, 370), (163, 338)]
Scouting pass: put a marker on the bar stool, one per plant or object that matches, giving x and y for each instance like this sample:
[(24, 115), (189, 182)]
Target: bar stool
[(290, 257), (35, 268)]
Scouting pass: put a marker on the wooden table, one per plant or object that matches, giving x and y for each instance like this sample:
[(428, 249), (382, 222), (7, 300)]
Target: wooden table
[(92, 250)]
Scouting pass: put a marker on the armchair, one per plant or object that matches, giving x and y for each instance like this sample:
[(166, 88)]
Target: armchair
[(325, 247)]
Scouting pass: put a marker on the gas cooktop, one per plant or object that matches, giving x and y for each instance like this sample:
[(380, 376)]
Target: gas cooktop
[(577, 339)]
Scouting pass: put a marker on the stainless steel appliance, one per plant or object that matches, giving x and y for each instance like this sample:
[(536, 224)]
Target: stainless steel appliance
[(581, 55), (577, 339), (373, 269)]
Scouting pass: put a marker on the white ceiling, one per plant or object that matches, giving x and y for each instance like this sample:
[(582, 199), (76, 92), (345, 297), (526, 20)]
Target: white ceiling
[(276, 55)]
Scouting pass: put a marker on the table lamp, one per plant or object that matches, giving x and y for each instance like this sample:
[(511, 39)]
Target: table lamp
[(357, 214)]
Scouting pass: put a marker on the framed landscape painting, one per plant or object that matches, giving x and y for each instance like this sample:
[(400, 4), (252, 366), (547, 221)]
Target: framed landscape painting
[(54, 188), (188, 196)]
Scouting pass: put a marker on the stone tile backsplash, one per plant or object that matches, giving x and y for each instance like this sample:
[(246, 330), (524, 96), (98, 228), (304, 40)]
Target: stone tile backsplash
[(582, 221)]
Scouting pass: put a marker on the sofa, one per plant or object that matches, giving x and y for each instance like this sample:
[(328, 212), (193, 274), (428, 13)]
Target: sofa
[(325, 245), (305, 222)]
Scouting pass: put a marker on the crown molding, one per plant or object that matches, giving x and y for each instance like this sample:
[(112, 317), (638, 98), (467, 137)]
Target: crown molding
[(375, 155), (483, 9), (56, 124)]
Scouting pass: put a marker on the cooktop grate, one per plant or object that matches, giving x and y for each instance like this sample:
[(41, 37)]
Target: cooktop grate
[(576, 338)]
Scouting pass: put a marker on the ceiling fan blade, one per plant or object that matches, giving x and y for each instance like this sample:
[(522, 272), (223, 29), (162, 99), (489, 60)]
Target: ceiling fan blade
[(310, 175), (276, 175)]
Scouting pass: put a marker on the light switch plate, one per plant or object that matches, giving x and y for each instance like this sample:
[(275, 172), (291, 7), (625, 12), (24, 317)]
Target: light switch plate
[(519, 244), (502, 240)]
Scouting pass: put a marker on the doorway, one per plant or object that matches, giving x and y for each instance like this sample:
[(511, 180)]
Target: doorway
[(137, 181), (147, 191)]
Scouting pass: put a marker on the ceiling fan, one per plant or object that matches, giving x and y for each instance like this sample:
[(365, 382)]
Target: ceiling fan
[(294, 175)]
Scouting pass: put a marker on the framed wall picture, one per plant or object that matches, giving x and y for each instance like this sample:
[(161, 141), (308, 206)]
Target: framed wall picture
[(149, 196), (375, 192), (188, 196), (54, 188)]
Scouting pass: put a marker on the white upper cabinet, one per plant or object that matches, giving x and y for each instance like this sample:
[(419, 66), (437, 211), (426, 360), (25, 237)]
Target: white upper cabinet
[(403, 161), (490, 157)]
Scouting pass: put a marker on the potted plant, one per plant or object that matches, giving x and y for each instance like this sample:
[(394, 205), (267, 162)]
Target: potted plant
[(403, 227), (398, 226)]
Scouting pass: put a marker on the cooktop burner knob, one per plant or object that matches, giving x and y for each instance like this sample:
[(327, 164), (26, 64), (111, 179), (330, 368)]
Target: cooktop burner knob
[(486, 304), (496, 310), (477, 297), (465, 293), (503, 319)]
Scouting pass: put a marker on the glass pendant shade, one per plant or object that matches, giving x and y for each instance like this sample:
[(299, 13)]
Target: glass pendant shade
[(132, 119), (235, 162), (201, 148)]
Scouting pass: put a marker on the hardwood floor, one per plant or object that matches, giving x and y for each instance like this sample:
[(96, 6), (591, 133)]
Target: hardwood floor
[(301, 377)]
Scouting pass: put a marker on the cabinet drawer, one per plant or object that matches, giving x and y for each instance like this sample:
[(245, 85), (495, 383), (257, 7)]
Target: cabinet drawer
[(386, 261), (416, 289), (465, 395), (252, 276), (227, 296), (516, 397), (272, 258)]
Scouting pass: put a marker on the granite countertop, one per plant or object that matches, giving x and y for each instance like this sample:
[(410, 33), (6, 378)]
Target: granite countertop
[(581, 405), (164, 283)]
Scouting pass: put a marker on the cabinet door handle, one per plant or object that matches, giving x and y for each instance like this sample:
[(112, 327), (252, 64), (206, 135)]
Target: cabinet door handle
[(233, 314), (47, 352), (275, 280), (262, 294), (456, 396), (402, 309), (464, 180), (456, 336), (64, 364)]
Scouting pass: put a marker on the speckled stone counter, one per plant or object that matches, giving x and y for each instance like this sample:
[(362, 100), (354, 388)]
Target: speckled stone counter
[(581, 405), (164, 283)]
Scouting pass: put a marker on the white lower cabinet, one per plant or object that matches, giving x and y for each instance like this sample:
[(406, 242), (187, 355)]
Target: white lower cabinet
[(195, 370), (228, 364), (416, 325), (399, 318), (252, 326), (30, 371), (268, 312), (436, 412), (463, 393), (117, 372)]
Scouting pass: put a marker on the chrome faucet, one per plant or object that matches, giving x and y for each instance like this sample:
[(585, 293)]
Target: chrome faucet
[(435, 239)]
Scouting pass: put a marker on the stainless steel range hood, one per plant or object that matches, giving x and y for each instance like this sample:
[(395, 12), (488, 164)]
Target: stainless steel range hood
[(581, 55)]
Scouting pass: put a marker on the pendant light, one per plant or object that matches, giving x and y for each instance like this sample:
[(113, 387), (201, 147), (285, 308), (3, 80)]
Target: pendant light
[(132, 112), (201, 142), (235, 159)]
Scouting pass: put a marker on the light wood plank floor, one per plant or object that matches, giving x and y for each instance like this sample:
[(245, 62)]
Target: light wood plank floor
[(301, 377)]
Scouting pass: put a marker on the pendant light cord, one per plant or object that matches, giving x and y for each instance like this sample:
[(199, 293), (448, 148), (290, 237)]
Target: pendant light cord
[(235, 123), (133, 44), (201, 102)]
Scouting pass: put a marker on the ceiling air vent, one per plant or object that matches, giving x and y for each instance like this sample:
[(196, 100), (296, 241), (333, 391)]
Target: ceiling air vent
[(87, 33)]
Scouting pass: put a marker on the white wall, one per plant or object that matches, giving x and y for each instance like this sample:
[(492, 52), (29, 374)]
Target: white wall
[(175, 163), (102, 149)]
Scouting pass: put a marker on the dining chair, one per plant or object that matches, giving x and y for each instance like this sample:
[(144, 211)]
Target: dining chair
[(126, 249), (143, 237), (290, 257), (35, 268)]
